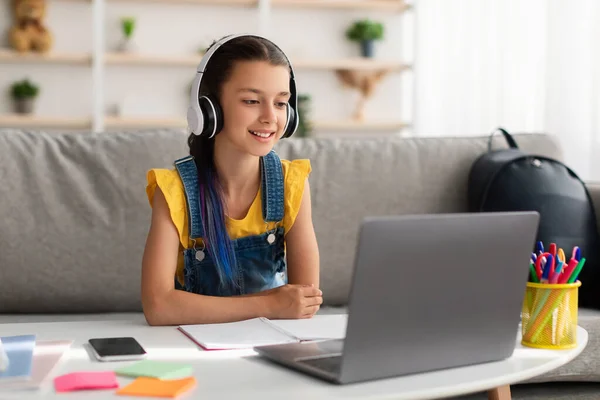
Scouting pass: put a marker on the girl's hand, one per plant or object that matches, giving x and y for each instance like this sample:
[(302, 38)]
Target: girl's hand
[(293, 301)]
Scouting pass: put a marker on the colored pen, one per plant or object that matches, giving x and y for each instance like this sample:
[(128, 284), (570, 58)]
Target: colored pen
[(568, 270), (534, 277), (561, 255), (533, 257), (539, 268), (3, 358), (577, 270), (556, 272), (547, 268), (540, 247), (552, 249), (574, 252)]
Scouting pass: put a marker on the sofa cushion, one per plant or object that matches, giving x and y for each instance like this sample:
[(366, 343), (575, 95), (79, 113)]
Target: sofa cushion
[(75, 215)]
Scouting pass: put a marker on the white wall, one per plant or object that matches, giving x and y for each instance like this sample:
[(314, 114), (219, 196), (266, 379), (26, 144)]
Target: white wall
[(181, 29), (529, 66)]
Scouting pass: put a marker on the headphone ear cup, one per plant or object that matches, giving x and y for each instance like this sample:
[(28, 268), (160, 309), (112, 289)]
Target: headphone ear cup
[(218, 116), (290, 125), (194, 120), (213, 116)]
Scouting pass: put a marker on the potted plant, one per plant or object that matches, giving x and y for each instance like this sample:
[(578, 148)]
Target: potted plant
[(24, 93), (128, 27), (304, 125), (365, 32)]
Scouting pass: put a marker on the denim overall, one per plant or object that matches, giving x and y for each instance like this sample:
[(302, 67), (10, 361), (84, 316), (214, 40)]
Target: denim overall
[(260, 258)]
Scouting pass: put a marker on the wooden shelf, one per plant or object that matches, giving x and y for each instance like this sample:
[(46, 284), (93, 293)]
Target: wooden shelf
[(144, 122), (382, 5), (351, 125), (194, 60), (247, 3), (12, 56), (35, 121), (349, 64), (152, 60)]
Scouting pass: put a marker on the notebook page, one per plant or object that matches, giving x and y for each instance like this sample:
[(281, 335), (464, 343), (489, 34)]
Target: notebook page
[(316, 328), (236, 335)]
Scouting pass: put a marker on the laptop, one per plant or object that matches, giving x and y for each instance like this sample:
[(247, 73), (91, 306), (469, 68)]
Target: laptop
[(428, 292)]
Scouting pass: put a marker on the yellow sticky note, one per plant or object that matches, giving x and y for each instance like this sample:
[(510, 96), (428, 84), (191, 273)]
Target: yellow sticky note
[(153, 387)]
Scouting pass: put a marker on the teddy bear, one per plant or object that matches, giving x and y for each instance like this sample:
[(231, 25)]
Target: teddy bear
[(28, 31)]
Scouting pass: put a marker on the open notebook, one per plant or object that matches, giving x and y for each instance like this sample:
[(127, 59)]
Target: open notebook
[(262, 332)]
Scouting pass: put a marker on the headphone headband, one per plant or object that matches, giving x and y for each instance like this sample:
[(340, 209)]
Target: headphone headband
[(206, 58), (196, 120)]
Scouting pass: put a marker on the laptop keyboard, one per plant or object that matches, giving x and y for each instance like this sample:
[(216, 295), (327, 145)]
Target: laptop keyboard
[(329, 364)]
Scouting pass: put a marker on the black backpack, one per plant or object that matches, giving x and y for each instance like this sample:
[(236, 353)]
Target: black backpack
[(512, 180)]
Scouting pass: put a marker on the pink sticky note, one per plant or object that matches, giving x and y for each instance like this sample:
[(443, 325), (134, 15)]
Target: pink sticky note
[(86, 381)]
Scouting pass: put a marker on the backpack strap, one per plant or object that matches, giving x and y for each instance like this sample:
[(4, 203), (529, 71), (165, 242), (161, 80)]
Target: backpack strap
[(509, 139), (189, 176), (272, 187)]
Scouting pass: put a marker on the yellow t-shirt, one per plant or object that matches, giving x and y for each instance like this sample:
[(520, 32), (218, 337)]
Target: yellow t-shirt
[(295, 173)]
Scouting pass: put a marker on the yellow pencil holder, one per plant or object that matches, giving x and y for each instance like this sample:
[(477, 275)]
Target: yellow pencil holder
[(549, 316)]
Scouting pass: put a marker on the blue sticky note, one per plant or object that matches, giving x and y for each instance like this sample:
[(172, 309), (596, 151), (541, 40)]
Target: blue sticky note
[(19, 350)]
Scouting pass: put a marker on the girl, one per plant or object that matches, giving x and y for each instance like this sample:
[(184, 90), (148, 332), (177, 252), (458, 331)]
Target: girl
[(231, 223)]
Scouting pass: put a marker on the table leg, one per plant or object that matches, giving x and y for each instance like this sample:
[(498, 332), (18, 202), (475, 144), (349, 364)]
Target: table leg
[(499, 393)]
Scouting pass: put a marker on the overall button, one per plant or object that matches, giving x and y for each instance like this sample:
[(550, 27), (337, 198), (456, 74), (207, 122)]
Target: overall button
[(271, 238), (199, 255)]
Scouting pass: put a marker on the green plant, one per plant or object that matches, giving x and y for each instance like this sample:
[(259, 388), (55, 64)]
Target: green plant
[(128, 24), (24, 89), (365, 29), (304, 125)]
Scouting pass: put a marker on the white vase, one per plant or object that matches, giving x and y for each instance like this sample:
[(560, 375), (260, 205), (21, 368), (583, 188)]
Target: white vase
[(127, 45)]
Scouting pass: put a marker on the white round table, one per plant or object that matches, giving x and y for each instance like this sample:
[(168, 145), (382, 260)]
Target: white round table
[(241, 373)]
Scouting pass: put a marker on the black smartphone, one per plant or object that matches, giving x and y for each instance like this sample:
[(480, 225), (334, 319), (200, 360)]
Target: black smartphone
[(117, 349)]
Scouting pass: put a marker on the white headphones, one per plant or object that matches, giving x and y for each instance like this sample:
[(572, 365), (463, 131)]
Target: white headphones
[(205, 116)]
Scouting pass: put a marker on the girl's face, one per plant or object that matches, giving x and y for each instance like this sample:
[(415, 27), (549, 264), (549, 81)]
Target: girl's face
[(254, 102)]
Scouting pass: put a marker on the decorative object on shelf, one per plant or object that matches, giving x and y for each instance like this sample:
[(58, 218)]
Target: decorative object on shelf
[(28, 32), (304, 125), (366, 32), (365, 82), (113, 110), (24, 93), (128, 26)]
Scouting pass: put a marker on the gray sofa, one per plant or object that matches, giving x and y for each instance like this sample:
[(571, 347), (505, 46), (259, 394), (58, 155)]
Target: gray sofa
[(74, 216)]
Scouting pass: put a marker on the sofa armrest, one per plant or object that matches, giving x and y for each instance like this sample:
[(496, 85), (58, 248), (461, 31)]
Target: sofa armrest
[(594, 189)]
